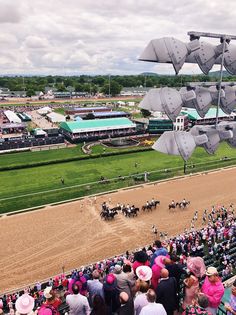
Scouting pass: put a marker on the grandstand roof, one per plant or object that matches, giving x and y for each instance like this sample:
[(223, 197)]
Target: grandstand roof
[(192, 113), (100, 114), (56, 117), (78, 109), (97, 125), (12, 117)]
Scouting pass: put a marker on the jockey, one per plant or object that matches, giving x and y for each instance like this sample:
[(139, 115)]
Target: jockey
[(184, 201), (173, 202), (153, 201), (147, 203)]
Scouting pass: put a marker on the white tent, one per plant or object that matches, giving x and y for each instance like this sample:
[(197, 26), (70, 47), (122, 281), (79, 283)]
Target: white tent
[(56, 118), (39, 132), (44, 110), (12, 117)]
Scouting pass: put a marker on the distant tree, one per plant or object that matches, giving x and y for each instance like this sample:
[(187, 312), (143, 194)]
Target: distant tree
[(30, 92), (61, 88), (78, 87), (115, 88)]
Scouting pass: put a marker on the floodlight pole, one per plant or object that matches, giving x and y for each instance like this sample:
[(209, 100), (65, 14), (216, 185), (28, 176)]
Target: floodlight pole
[(185, 167), (224, 38), (109, 85), (220, 82)]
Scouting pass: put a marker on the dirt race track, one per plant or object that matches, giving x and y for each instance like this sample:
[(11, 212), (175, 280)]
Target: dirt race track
[(36, 245)]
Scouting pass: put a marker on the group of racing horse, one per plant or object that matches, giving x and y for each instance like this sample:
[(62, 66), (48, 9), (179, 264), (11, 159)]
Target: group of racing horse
[(127, 210), (109, 213)]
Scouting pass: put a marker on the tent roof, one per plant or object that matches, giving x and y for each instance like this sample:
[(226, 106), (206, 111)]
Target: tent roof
[(56, 117), (97, 125), (192, 113), (12, 117)]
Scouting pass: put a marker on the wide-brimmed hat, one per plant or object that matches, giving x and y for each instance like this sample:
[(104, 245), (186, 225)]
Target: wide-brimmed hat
[(144, 273), (211, 271), (47, 292), (197, 266), (159, 261), (25, 304), (110, 282)]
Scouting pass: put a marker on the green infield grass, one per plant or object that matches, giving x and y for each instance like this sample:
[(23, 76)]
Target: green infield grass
[(34, 186)]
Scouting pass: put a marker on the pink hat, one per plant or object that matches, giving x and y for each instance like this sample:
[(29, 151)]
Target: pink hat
[(159, 261), (197, 266), (144, 273), (25, 304)]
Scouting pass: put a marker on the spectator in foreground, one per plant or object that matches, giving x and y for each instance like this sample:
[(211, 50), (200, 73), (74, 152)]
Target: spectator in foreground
[(231, 306), (111, 293), (199, 306), (78, 303), (95, 287), (140, 299), (126, 304), (51, 299), (160, 251), (152, 308), (99, 306), (167, 292), (25, 305), (213, 288), (197, 269)]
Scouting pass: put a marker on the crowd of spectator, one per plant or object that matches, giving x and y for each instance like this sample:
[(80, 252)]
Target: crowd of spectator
[(183, 274)]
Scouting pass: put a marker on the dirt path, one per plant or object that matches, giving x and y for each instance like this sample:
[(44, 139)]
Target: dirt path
[(36, 245)]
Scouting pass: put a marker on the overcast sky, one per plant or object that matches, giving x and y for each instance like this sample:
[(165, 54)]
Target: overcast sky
[(100, 36)]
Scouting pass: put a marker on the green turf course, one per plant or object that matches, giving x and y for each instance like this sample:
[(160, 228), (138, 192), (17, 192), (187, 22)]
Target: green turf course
[(43, 178)]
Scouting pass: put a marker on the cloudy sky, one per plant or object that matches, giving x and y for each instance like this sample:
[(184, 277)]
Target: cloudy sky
[(100, 36)]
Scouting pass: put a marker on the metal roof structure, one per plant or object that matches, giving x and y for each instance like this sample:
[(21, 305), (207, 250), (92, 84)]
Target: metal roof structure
[(100, 114), (56, 117), (97, 125), (12, 117), (192, 113)]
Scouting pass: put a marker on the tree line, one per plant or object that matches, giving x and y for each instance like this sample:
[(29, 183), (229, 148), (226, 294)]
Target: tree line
[(100, 83)]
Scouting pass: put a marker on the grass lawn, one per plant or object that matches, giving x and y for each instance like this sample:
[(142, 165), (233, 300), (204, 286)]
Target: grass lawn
[(43, 178), (22, 158)]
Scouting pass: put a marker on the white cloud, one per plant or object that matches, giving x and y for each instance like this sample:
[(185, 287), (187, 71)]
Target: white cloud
[(104, 36)]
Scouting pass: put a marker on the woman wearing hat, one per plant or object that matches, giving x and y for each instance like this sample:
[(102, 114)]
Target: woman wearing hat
[(197, 269), (213, 288), (160, 263), (25, 305), (51, 298)]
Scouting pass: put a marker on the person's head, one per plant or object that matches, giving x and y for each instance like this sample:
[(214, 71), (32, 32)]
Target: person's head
[(75, 289), (98, 302), (212, 274), (124, 297), (174, 258), (117, 269), (164, 273), (233, 290), (158, 244), (202, 300), (151, 296), (49, 293), (24, 304), (142, 286), (96, 274), (127, 268)]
